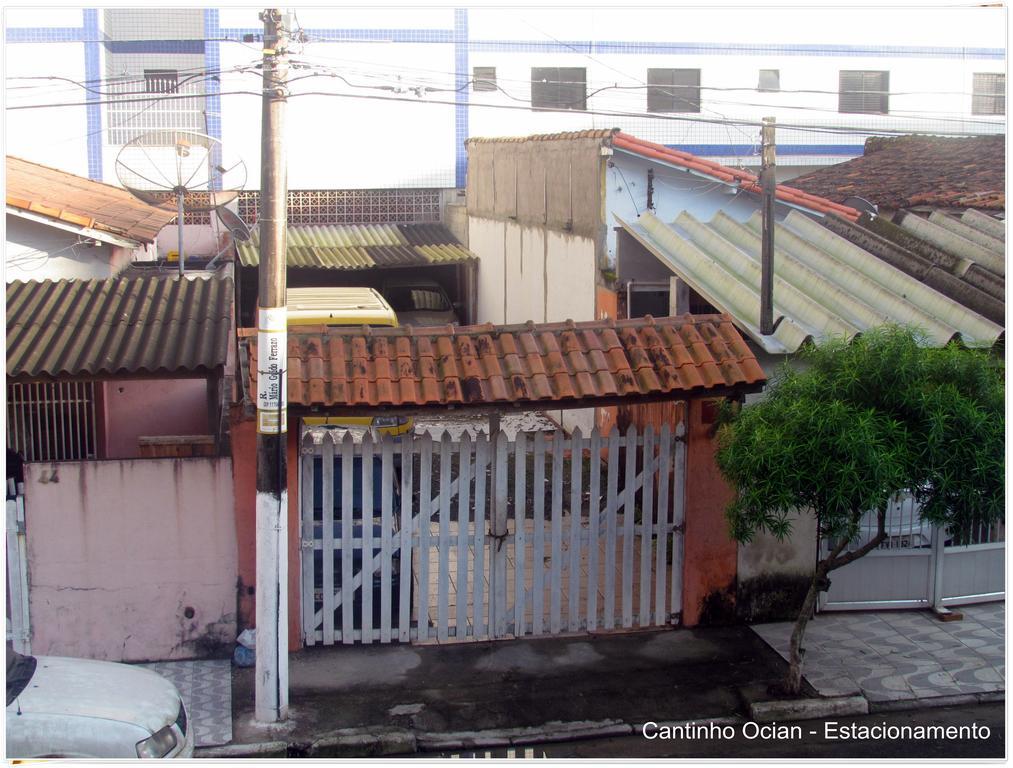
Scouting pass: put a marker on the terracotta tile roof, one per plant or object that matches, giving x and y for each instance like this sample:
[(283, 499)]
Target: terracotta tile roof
[(77, 200), (136, 325), (363, 246), (743, 179), (906, 171), (536, 365)]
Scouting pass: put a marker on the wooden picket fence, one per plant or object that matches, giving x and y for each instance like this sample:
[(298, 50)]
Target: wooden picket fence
[(484, 539)]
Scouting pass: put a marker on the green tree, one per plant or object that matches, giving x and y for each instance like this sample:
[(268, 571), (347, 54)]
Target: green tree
[(861, 421)]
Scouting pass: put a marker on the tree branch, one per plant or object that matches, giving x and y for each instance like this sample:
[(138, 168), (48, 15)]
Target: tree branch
[(834, 562)]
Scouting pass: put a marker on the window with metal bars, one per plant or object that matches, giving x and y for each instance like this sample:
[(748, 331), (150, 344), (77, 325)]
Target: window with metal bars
[(559, 88), (988, 94), (864, 92), (673, 90), (161, 80), (52, 420)]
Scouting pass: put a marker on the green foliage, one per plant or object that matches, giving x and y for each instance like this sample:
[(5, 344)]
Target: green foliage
[(866, 419)]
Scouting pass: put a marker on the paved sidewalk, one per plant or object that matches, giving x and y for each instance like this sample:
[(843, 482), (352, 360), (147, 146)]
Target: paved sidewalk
[(893, 656), (206, 688)]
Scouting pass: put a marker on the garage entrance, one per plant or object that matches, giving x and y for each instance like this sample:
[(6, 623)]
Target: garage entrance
[(479, 538)]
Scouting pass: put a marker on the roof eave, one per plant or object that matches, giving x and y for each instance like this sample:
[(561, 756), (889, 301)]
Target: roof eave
[(89, 232)]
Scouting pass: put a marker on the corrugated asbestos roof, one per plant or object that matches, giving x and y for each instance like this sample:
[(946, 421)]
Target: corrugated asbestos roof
[(537, 365), (824, 285), (77, 200), (970, 284), (363, 246), (140, 325), (905, 171)]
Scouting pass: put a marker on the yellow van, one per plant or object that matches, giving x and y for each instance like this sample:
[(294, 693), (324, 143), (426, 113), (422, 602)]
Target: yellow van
[(346, 306)]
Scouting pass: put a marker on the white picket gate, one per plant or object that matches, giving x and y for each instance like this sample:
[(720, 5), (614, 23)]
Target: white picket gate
[(480, 539)]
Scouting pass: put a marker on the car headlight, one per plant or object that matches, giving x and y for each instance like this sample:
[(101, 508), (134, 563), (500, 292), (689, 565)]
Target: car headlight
[(158, 744)]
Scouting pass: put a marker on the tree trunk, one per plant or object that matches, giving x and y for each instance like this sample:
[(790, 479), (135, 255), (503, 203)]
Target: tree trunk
[(793, 682)]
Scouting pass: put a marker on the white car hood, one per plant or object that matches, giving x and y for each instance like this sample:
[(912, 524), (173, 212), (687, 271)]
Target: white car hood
[(87, 688)]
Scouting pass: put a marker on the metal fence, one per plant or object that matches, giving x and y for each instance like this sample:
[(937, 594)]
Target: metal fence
[(52, 421)]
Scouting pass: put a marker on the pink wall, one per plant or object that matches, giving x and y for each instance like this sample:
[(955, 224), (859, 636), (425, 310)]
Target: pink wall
[(137, 407), (120, 552)]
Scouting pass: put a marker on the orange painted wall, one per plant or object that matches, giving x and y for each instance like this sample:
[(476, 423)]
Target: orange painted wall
[(710, 558), (244, 468)]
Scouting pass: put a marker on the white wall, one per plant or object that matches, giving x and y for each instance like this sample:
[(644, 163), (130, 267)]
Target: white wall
[(526, 273), (34, 251)]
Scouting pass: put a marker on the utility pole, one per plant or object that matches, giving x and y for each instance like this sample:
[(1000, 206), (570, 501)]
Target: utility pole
[(769, 185), (271, 688)]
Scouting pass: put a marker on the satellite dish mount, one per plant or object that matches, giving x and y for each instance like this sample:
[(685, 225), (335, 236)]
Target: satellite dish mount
[(180, 171)]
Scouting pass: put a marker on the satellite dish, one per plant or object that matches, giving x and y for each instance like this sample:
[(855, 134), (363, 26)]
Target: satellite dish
[(232, 221), (180, 171)]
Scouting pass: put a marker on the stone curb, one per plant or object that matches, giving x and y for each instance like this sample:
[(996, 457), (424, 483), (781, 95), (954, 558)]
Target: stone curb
[(364, 742), (808, 709), (554, 731), (953, 700), (230, 751)]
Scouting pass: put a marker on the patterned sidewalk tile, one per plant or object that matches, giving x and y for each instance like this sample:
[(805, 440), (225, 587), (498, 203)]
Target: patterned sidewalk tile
[(892, 655), (206, 688)]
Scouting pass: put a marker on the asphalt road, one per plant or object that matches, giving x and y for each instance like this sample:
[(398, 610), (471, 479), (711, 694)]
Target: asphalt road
[(809, 741)]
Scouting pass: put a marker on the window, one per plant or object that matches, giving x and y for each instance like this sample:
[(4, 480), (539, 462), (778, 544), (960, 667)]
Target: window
[(483, 79), (161, 81), (770, 80), (673, 90), (53, 420), (558, 88), (988, 94), (865, 92)]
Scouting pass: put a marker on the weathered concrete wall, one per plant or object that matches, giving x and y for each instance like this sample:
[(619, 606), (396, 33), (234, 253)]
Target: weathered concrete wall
[(545, 183), (131, 560), (152, 407), (529, 273), (35, 251), (244, 456)]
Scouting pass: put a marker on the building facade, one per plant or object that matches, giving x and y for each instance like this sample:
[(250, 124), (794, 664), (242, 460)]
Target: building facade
[(385, 98)]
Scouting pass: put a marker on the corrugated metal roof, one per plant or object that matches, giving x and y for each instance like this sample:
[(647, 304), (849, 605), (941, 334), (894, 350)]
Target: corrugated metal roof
[(968, 284), (77, 200), (363, 246), (137, 325), (824, 285), (538, 365)]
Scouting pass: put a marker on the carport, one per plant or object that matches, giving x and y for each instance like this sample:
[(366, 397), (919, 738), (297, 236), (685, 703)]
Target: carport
[(364, 255), (628, 533)]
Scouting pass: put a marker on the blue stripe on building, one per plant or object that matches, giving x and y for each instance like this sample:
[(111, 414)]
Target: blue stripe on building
[(92, 72), (462, 78), (213, 87)]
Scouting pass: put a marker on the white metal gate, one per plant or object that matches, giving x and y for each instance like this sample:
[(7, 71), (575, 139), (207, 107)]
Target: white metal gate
[(480, 539), (18, 623), (919, 565)]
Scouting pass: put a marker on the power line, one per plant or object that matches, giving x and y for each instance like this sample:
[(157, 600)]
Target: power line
[(665, 117)]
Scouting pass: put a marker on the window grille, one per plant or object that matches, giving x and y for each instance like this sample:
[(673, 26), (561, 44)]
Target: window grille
[(988, 94), (52, 421), (864, 92), (673, 90), (483, 79), (770, 80), (559, 88), (351, 206), (161, 80)]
